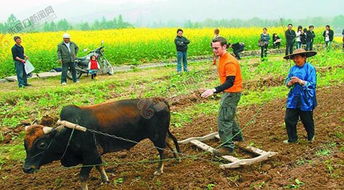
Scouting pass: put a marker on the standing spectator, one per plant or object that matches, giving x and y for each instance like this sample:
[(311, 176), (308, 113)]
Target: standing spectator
[(19, 58), (66, 53), (182, 47), (237, 49), (290, 38), (301, 100), (298, 37), (328, 36), (276, 40), (264, 43), (231, 86), (310, 38), (216, 34), (303, 38)]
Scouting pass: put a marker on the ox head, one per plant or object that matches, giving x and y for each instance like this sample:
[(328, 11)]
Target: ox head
[(38, 144)]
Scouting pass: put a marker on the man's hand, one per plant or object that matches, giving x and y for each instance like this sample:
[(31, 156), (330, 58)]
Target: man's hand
[(207, 93), (23, 61)]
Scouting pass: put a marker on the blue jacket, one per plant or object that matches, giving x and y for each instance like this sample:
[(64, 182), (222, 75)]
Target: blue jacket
[(302, 97)]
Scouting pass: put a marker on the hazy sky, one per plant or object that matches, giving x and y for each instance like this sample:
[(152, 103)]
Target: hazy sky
[(148, 11)]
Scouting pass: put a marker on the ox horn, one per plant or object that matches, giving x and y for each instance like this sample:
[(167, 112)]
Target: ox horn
[(47, 130), (27, 127)]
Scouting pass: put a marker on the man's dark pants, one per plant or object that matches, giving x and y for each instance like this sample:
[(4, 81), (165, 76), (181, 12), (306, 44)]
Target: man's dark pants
[(264, 51), (65, 67), (21, 74), (292, 117), (309, 46), (289, 48), (182, 56)]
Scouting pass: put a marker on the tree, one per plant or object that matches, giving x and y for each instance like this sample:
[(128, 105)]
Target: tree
[(85, 26)]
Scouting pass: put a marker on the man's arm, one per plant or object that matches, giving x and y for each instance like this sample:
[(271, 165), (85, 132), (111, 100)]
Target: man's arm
[(59, 53), (15, 55), (76, 49), (178, 42), (227, 84), (187, 41)]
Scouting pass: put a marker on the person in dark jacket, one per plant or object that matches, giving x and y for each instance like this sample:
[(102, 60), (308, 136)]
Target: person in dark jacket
[(19, 59), (276, 40), (182, 47), (328, 36), (66, 53), (310, 35), (237, 49), (290, 36), (264, 43)]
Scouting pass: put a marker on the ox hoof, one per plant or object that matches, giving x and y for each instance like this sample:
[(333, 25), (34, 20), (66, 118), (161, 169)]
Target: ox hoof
[(105, 182), (157, 173)]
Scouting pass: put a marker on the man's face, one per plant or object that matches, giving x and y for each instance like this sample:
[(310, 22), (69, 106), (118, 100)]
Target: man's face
[(264, 31), (311, 28), (299, 60), (180, 33), (218, 49), (290, 27), (327, 28), (66, 40), (18, 41)]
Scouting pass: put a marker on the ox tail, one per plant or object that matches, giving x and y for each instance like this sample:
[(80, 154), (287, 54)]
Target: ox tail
[(174, 139)]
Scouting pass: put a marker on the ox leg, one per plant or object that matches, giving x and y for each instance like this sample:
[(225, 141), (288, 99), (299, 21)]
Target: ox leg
[(172, 150), (104, 177), (84, 174), (160, 147)]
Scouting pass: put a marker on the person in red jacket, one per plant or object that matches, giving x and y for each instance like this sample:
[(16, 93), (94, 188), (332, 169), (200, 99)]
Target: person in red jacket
[(93, 66)]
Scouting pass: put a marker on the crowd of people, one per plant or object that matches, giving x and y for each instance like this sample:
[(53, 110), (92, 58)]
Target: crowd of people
[(66, 54), (301, 79)]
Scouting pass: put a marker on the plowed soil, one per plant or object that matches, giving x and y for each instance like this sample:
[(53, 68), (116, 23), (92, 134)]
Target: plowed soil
[(317, 165)]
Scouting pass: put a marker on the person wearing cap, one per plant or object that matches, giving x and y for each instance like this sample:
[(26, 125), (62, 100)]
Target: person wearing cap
[(66, 52), (231, 86), (19, 60), (301, 99)]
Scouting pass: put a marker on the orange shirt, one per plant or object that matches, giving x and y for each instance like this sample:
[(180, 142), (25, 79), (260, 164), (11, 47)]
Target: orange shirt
[(229, 66)]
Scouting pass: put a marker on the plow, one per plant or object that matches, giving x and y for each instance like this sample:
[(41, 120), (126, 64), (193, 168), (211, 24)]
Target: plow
[(234, 162)]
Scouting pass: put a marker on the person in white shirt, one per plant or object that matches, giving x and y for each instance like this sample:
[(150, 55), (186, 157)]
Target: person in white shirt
[(298, 37)]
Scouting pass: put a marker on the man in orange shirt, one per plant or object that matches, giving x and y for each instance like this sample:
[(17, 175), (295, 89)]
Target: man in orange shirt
[(231, 86)]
